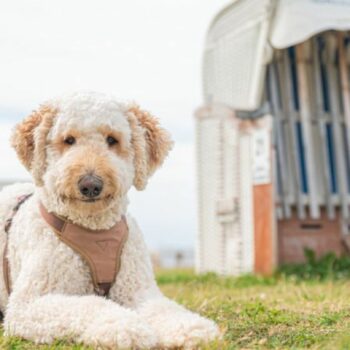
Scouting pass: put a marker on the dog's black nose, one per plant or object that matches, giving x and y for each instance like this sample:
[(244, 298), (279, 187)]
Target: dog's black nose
[(90, 186)]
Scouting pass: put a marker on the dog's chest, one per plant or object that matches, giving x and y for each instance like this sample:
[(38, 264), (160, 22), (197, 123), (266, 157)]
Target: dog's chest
[(31, 241), (66, 271)]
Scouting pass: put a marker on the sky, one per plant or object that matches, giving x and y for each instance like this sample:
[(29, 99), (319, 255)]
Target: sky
[(144, 51)]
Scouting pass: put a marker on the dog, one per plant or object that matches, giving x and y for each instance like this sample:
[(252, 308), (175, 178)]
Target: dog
[(85, 151)]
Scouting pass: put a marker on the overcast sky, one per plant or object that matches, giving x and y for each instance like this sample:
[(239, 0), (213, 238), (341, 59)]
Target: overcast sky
[(147, 51)]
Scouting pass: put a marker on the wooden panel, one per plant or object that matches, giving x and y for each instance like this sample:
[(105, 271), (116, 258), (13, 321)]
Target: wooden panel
[(264, 229)]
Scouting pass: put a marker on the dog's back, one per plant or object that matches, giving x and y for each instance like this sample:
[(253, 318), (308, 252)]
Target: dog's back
[(8, 200)]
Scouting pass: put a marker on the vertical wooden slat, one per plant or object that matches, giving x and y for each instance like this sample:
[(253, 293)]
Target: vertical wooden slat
[(278, 180), (345, 87), (279, 134), (345, 93), (337, 122), (277, 188), (305, 114), (321, 124), (290, 113)]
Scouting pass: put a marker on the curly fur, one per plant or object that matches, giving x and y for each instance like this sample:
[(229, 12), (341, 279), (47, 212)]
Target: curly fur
[(52, 294), (29, 140), (151, 144)]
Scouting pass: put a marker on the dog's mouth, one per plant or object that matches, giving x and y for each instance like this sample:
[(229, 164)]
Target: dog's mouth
[(91, 200), (105, 199)]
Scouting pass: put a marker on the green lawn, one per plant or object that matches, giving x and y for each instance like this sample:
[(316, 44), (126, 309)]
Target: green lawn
[(257, 313), (273, 313)]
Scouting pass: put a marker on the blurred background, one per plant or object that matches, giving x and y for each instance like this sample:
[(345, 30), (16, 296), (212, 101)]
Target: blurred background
[(260, 86), (149, 52)]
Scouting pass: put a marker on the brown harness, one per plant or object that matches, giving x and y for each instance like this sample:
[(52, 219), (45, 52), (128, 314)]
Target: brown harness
[(101, 249)]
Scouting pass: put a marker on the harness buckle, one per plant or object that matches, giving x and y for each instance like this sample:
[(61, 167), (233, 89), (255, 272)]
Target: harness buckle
[(8, 224)]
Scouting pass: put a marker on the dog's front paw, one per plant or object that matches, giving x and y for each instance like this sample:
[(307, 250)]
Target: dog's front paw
[(127, 331), (187, 331)]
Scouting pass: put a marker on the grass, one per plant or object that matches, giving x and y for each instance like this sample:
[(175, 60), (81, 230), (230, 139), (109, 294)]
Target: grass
[(281, 312)]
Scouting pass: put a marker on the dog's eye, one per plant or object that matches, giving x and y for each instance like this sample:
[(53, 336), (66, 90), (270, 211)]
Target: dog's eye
[(70, 140), (111, 141)]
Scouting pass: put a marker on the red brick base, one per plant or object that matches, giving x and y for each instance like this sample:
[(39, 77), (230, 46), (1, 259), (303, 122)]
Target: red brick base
[(321, 235)]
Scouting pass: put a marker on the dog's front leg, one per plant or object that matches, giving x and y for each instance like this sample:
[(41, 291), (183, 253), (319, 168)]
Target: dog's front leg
[(35, 314), (176, 326), (136, 287)]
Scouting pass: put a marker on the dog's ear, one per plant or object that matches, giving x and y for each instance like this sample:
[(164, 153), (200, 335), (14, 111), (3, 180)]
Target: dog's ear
[(29, 141), (151, 144)]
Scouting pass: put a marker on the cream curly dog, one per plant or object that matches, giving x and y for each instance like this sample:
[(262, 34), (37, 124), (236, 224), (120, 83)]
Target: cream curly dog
[(111, 146)]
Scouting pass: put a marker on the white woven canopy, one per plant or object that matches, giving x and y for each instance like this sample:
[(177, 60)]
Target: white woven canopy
[(297, 20)]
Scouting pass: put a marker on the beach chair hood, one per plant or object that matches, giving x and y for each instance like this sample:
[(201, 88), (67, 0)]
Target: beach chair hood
[(242, 37), (297, 20)]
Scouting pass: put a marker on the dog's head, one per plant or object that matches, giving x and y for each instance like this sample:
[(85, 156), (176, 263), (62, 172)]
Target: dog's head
[(88, 149)]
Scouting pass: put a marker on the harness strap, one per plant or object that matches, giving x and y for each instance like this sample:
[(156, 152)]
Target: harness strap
[(101, 249), (8, 224)]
